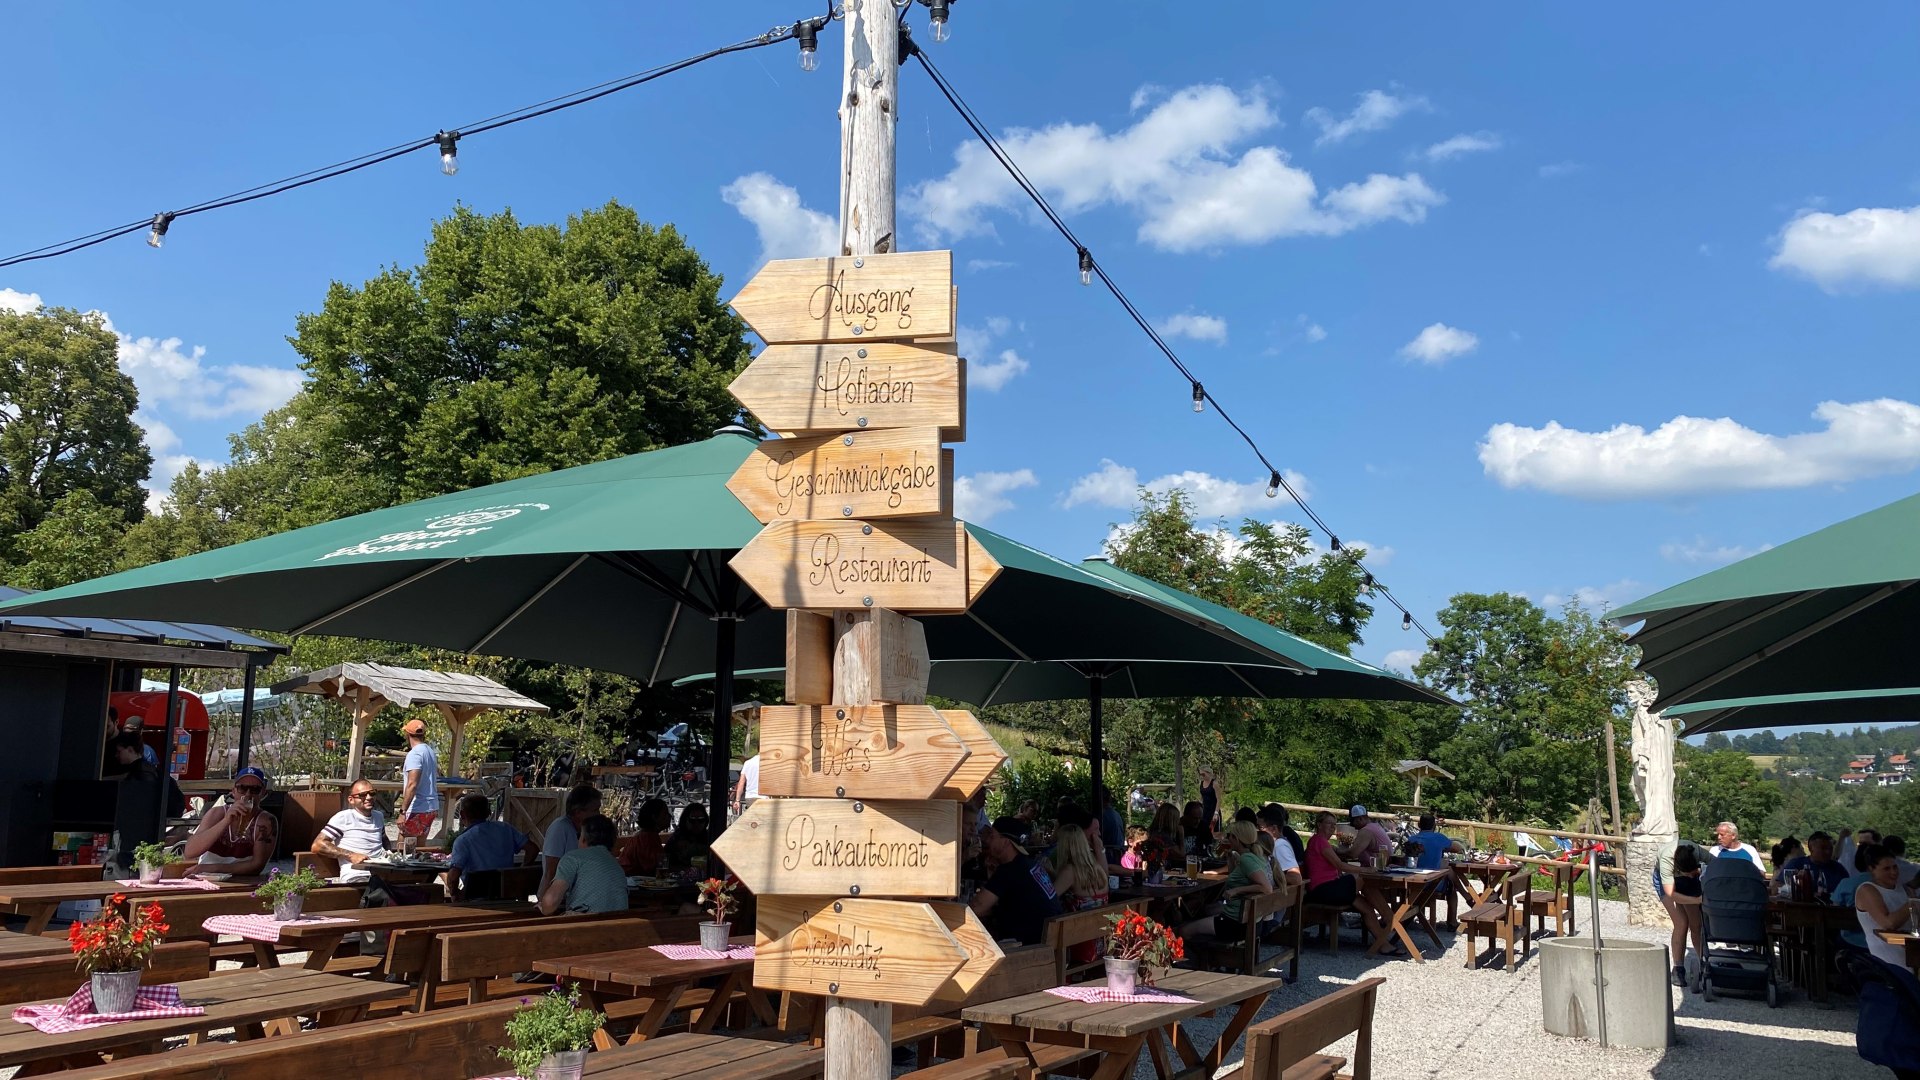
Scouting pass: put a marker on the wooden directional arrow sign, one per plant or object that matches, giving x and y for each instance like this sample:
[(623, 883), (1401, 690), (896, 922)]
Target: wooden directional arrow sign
[(856, 752), (868, 950), (860, 474), (983, 953), (838, 847), (851, 298), (983, 755), (811, 388), (908, 566)]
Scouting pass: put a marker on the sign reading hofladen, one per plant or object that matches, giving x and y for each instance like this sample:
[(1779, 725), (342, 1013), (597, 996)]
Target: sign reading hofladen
[(851, 298), (887, 473), (857, 751), (844, 847), (815, 388), (868, 950), (908, 565)]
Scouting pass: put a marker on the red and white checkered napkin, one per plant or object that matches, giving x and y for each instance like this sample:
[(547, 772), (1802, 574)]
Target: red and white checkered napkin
[(175, 884), (261, 927), (1145, 995), (695, 952), (151, 1003)]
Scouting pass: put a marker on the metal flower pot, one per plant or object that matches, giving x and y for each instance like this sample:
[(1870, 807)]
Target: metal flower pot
[(564, 1065), (713, 936), (114, 991), (1123, 976), (150, 875), (288, 908)]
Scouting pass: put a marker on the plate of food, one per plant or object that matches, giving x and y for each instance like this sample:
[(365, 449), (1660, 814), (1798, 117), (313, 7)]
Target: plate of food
[(213, 876)]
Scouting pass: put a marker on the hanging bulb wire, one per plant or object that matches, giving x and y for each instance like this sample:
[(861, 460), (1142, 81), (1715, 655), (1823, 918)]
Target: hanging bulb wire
[(1199, 397), (938, 14), (807, 33), (1273, 485), (157, 235), (1406, 620), (1086, 267), (449, 142)]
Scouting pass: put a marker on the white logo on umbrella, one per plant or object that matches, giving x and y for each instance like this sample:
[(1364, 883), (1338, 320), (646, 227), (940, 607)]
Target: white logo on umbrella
[(439, 532)]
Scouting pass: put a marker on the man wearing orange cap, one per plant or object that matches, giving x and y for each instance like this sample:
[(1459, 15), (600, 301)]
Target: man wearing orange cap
[(420, 799)]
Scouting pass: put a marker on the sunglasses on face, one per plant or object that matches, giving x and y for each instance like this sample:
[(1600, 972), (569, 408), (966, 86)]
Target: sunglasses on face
[(248, 789), (361, 795)]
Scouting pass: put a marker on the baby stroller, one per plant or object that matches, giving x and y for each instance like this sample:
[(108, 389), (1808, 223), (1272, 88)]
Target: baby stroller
[(1889, 1030), (1733, 899)]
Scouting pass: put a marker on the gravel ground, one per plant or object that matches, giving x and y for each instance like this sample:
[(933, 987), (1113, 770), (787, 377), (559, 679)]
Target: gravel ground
[(1440, 1019)]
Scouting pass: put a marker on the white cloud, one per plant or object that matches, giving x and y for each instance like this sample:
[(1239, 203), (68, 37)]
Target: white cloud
[(1864, 247), (168, 374), (1145, 96), (1117, 486), (979, 497), (1440, 343), (1701, 551), (975, 266), (991, 375), (1376, 110), (1596, 597), (1402, 660), (787, 228), (22, 302), (1478, 142), (1197, 326), (163, 441), (1177, 168), (1692, 456), (1561, 168)]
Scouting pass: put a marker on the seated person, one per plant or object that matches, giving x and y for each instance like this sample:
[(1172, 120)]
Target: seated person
[(693, 839), (1196, 834), (127, 748), (1271, 819), (588, 879), (1249, 873), (641, 853), (1819, 863), (1849, 890), (1881, 904), (354, 833), (483, 844), (1330, 880), (1019, 897), (563, 835), (237, 837), (1165, 826), (1783, 853), (1434, 845), (1369, 839)]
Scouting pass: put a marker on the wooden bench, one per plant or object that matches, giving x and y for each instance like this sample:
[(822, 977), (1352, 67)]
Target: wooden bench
[(1501, 918), (38, 977), (451, 1042), (1064, 932), (978, 1067), (187, 911), (1242, 953), (484, 961), (50, 875), (1555, 902), (1025, 970), (1288, 1047)]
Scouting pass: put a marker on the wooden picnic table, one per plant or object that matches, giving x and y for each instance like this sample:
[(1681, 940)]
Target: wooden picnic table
[(320, 939), (29, 946), (644, 974), (247, 1001), (1911, 943), (1402, 894), (1474, 882), (1122, 1030), (39, 902), (1819, 922), (686, 1055), (1189, 896)]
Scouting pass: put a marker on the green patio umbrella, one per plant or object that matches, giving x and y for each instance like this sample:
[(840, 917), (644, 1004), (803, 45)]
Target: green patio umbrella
[(1889, 706), (1831, 611), (620, 566)]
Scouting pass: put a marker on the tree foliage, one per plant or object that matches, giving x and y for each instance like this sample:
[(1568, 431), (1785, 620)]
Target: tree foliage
[(1711, 786)]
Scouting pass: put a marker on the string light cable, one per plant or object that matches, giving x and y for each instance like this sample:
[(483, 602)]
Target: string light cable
[(443, 141), (1090, 268)]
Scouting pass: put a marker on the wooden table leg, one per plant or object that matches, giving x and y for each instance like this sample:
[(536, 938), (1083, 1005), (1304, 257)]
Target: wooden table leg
[(762, 1007), (1399, 926), (656, 1015), (322, 950), (1014, 1041), (38, 916), (602, 1039), (265, 956), (1235, 1028), (1157, 1047), (1119, 1063), (350, 1014), (702, 1021)]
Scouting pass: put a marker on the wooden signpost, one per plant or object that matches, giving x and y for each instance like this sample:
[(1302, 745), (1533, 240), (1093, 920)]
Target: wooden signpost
[(864, 782), (885, 473), (844, 847), (876, 950), (857, 751)]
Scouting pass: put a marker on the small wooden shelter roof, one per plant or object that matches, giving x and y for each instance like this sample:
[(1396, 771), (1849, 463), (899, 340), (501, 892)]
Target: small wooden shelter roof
[(1421, 767), (407, 687)]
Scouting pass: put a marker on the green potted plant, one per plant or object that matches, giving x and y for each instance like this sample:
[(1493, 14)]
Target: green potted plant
[(548, 1038), (717, 894), (113, 946), (286, 894), (149, 860)]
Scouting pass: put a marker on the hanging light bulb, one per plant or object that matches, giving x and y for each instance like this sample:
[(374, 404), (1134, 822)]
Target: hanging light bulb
[(1367, 581), (1336, 542), (449, 151), (1086, 267), (808, 35), (1406, 620), (157, 236), (1273, 484), (937, 12), (1199, 397)]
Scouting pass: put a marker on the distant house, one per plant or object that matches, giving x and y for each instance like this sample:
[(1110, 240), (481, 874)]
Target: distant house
[(1887, 779), (1854, 778), (1898, 763)]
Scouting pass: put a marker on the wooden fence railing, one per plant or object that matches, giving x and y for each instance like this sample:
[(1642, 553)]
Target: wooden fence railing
[(1615, 843)]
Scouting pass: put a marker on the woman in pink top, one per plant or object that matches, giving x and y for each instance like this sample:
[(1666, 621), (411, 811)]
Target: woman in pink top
[(1330, 880)]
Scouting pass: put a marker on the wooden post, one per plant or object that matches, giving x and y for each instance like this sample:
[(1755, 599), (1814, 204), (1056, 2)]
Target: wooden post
[(362, 716), (1613, 776)]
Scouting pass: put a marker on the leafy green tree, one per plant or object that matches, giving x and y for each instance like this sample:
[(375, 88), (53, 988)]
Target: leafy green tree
[(1538, 694), (66, 421), (77, 539), (1711, 786)]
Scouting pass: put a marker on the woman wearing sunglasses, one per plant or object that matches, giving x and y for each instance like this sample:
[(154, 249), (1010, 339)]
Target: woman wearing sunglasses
[(237, 837)]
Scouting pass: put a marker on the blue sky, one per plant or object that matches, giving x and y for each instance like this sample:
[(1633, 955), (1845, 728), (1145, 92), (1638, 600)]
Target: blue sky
[(1563, 304)]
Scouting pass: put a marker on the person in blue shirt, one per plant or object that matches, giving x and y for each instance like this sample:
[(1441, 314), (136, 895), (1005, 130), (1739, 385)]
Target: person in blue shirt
[(1818, 862), (1433, 845), (1113, 831), (420, 797), (483, 844)]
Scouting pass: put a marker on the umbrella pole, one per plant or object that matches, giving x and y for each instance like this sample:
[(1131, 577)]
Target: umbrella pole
[(166, 753), (246, 720), (720, 754), (1095, 692)]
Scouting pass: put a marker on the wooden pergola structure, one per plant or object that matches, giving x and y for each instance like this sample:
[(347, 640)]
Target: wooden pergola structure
[(365, 689), (1420, 769)]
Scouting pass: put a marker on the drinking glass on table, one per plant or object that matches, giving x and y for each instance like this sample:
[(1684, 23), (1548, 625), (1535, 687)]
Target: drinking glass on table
[(408, 844), (1193, 866)]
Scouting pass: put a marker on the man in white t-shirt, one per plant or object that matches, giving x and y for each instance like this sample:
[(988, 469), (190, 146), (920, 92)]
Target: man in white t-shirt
[(747, 788), (420, 798), (354, 833), (1729, 836)]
